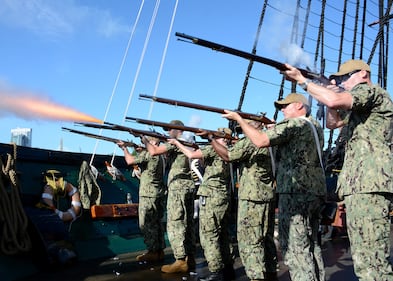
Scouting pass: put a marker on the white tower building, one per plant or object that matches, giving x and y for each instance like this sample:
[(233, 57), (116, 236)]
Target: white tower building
[(21, 136)]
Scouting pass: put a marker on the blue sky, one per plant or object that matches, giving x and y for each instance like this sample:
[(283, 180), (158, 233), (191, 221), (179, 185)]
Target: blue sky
[(71, 53)]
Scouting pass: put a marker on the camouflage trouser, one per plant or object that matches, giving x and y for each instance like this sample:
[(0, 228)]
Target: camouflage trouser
[(151, 211), (298, 235), (213, 232), (255, 230), (180, 222), (368, 227)]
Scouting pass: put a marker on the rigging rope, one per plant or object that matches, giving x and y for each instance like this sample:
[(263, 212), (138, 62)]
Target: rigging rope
[(280, 96), (306, 24), (363, 29), (118, 75), (254, 51), (147, 40), (384, 53), (13, 220), (342, 32), (387, 51), (320, 115), (163, 58), (379, 38), (355, 29), (294, 39)]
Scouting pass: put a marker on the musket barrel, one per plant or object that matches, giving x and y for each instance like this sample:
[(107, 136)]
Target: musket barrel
[(233, 51), (249, 56), (126, 143), (256, 117), (135, 132), (183, 103)]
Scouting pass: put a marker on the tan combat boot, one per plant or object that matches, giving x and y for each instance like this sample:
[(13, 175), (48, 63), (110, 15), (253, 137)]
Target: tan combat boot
[(176, 267), (151, 256)]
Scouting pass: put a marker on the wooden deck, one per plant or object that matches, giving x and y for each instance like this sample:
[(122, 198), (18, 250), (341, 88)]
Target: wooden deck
[(336, 253)]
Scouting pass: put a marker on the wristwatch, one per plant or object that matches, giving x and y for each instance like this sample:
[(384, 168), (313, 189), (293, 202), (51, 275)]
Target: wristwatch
[(304, 85)]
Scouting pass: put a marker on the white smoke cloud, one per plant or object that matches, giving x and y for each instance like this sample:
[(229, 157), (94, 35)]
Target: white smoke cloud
[(194, 122), (295, 55)]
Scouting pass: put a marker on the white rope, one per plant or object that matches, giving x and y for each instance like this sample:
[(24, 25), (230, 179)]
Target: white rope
[(118, 75), (152, 21), (163, 58)]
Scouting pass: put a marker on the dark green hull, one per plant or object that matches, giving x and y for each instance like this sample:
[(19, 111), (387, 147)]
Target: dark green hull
[(93, 238)]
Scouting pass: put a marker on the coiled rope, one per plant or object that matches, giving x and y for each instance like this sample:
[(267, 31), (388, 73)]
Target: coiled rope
[(13, 220)]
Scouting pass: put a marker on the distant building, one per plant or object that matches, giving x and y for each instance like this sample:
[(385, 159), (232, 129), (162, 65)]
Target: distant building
[(21, 136)]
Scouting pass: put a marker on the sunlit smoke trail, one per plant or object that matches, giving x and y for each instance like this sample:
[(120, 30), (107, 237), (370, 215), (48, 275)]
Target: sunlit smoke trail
[(29, 106), (295, 55)]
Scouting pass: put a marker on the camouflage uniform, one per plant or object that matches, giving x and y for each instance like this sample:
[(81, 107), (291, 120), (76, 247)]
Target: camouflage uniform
[(255, 225), (366, 181), (180, 204), (301, 188), (151, 200), (214, 211)]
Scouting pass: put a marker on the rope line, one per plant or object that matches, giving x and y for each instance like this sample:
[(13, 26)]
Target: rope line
[(118, 75), (163, 58), (141, 59), (14, 237), (254, 51)]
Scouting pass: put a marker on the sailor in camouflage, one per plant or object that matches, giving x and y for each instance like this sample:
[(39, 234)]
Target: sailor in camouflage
[(151, 199), (256, 204), (300, 184), (365, 182), (214, 207), (180, 204)]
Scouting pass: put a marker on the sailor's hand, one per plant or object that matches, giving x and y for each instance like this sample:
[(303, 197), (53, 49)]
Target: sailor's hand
[(203, 134), (144, 140), (334, 87), (231, 115), (293, 74), (173, 141), (120, 144), (271, 126)]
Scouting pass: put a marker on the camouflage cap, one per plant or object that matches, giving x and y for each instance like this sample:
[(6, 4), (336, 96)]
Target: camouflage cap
[(153, 139), (174, 122), (291, 98), (225, 130), (350, 66)]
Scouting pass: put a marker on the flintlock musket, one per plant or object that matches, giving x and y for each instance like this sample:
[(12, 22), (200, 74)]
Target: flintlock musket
[(126, 143), (316, 77), (256, 117), (135, 132), (217, 134)]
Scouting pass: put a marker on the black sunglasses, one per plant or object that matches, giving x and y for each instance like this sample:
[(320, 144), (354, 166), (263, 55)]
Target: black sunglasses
[(341, 79)]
